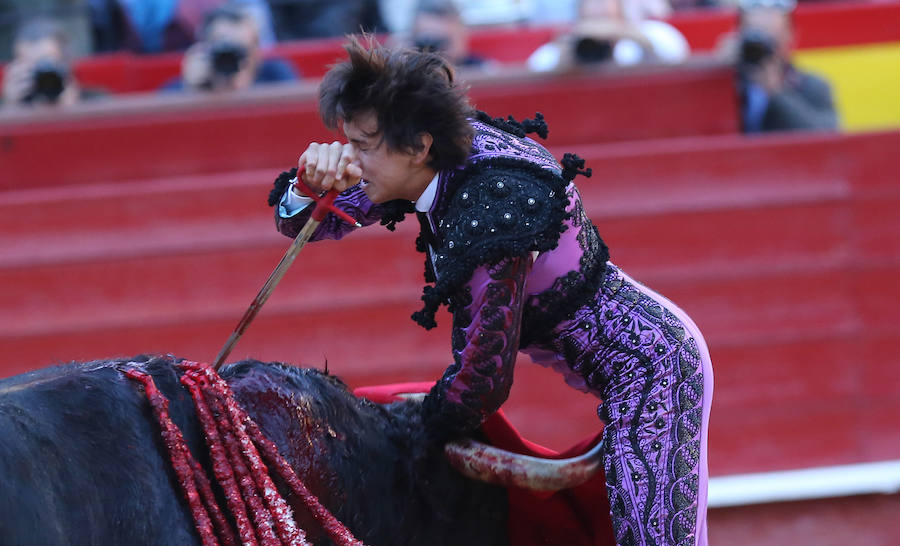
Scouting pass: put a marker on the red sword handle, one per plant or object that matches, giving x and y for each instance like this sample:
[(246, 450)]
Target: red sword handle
[(324, 203)]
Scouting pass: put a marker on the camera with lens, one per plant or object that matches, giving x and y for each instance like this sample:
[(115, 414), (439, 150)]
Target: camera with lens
[(48, 80), (431, 43), (227, 58), (592, 50), (755, 46)]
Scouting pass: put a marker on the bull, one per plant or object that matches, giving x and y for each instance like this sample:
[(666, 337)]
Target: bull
[(81, 460)]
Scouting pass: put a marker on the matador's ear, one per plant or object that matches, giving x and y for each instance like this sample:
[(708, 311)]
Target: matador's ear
[(424, 153)]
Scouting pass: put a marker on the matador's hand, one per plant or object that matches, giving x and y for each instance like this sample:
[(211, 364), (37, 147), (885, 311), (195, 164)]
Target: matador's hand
[(327, 166)]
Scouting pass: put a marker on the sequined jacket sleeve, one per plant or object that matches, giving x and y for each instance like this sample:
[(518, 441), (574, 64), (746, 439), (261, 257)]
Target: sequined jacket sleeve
[(353, 201), (487, 316)]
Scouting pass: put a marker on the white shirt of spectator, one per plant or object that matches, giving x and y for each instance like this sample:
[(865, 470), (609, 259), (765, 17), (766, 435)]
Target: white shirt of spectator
[(669, 46)]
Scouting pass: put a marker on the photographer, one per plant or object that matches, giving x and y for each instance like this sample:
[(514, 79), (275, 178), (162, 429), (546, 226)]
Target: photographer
[(39, 74), (228, 56), (604, 33), (775, 95), (438, 26)]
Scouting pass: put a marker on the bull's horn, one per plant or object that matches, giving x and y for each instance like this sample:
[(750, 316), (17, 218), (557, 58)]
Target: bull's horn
[(414, 396), (493, 465)]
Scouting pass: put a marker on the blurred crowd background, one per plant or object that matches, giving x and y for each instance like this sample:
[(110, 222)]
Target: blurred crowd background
[(231, 45)]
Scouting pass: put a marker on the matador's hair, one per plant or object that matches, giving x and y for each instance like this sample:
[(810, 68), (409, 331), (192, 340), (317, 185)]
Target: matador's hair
[(410, 92)]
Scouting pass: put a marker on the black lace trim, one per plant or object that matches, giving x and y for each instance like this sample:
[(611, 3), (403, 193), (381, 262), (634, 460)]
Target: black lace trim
[(569, 292), (281, 185), (515, 128), (504, 207)]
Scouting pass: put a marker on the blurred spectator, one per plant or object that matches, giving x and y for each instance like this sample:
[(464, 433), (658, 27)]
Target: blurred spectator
[(141, 26), (302, 19), (153, 26), (397, 15), (39, 74), (603, 33), (549, 12), (259, 10), (73, 16), (681, 5), (437, 26), (774, 94), (567, 11), (496, 12), (228, 55), (638, 10)]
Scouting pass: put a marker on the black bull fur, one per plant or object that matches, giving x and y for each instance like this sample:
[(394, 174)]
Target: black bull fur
[(81, 460)]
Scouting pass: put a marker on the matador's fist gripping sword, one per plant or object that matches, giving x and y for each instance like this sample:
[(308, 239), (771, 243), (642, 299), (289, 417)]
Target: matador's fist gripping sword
[(324, 205)]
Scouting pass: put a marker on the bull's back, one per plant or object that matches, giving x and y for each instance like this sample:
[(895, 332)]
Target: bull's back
[(81, 460), (80, 463)]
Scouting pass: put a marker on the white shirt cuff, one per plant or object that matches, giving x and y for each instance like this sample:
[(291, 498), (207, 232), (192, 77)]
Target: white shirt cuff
[(291, 203)]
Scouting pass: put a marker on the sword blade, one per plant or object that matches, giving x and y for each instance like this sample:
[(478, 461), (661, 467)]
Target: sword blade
[(267, 289)]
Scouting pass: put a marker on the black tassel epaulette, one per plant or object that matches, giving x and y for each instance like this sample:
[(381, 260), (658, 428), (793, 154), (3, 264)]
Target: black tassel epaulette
[(433, 300), (572, 166), (537, 125)]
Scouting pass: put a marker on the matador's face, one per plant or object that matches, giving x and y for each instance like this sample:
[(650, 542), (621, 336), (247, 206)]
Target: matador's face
[(388, 174)]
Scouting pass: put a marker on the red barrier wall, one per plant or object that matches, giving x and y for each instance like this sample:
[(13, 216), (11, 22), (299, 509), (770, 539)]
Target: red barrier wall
[(823, 522), (784, 249)]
